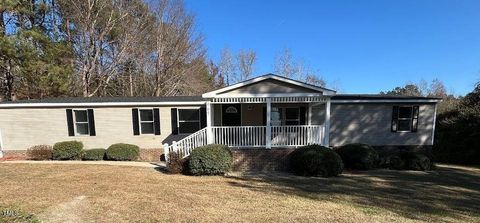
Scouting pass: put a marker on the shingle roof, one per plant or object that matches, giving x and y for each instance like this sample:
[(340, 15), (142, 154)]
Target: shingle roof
[(108, 99), (74, 100), (379, 97)]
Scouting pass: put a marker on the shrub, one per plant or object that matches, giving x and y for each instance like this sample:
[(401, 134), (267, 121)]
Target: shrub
[(94, 154), (176, 164), (122, 152), (40, 152), (416, 161), (210, 160), (410, 161), (68, 150), (358, 156), (396, 162), (316, 160)]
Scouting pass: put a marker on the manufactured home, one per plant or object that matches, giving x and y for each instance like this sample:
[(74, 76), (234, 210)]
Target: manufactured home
[(266, 113)]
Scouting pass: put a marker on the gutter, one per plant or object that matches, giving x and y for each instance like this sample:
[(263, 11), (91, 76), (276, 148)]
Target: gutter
[(98, 104)]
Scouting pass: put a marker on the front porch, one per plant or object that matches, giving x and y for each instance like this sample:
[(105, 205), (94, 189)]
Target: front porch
[(262, 113)]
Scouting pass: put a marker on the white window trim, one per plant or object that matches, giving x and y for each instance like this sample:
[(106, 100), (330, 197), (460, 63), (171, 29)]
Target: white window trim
[(178, 119), (140, 121), (75, 122), (410, 119)]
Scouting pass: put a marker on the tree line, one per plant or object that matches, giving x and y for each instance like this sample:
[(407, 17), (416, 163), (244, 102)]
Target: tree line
[(457, 132), (96, 48)]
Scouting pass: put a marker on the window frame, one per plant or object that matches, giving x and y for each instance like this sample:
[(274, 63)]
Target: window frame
[(140, 121), (75, 122), (410, 120), (199, 119)]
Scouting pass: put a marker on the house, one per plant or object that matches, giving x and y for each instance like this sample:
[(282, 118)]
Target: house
[(261, 114)]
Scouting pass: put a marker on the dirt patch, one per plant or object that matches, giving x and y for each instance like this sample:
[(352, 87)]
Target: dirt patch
[(69, 212)]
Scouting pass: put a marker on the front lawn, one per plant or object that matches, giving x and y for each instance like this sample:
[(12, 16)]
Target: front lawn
[(79, 193)]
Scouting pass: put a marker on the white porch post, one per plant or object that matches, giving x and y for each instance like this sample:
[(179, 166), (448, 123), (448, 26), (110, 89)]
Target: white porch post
[(309, 113), (268, 140), (209, 123), (327, 124)]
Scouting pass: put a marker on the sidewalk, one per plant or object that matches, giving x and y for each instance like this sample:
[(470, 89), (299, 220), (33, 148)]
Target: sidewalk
[(113, 163)]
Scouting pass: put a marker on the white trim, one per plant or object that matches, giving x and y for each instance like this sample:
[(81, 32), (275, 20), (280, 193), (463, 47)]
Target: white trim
[(99, 104), (310, 113), (387, 101), (324, 91), (434, 123), (326, 124), (75, 122), (268, 135), (248, 95), (209, 115), (140, 121)]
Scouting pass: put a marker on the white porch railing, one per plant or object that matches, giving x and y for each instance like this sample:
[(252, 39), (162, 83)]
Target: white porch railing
[(184, 146), (240, 136), (297, 135), (250, 136)]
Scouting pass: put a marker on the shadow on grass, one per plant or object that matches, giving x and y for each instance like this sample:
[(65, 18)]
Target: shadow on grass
[(448, 191)]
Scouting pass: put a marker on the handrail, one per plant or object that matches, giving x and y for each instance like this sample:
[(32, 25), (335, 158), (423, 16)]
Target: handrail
[(184, 146), (249, 136)]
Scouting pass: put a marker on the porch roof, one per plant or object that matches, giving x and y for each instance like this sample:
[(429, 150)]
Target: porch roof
[(269, 85)]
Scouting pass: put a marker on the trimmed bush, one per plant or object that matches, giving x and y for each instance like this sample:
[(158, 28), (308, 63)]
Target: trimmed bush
[(40, 152), (410, 161), (94, 154), (358, 156), (68, 150), (416, 161), (316, 160), (176, 164), (210, 160), (122, 152), (395, 162)]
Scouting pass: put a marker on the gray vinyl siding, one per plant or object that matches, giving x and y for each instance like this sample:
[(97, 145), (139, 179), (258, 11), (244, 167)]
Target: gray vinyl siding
[(24, 127), (371, 124)]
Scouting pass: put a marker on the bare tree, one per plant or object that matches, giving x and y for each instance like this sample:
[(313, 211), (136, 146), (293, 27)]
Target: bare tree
[(179, 50), (246, 60), (98, 49), (286, 65), (437, 89), (226, 66), (314, 80)]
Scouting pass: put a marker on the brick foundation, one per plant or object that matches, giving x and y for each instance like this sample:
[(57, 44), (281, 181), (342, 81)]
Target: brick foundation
[(261, 159), (147, 155), (151, 155)]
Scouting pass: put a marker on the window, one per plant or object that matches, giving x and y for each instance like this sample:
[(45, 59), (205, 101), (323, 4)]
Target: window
[(405, 118), (285, 116), (292, 116), (81, 122), (188, 120), (146, 121)]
